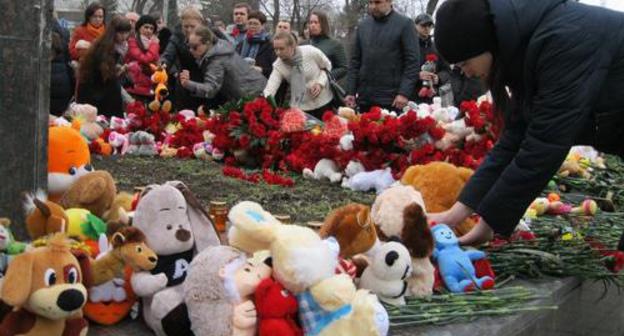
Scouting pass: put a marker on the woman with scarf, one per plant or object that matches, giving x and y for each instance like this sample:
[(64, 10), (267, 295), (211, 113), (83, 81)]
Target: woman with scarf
[(257, 48), (143, 49), (100, 70), (303, 67), (90, 30)]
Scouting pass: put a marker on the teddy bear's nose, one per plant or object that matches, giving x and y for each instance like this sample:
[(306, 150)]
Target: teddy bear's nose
[(153, 260), (70, 300), (183, 235)]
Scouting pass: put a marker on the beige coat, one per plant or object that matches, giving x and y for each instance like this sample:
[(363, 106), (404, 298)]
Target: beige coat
[(314, 61)]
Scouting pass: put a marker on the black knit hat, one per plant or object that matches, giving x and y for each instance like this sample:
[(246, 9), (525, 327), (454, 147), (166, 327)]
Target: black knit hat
[(145, 19), (464, 29)]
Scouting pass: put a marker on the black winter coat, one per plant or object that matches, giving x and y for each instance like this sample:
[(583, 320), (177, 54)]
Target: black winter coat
[(62, 84), (384, 60), (265, 57), (564, 64), (442, 68)]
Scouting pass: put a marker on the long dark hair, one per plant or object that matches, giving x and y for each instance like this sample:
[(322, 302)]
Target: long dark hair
[(498, 88), (323, 20), (101, 56), (91, 9)]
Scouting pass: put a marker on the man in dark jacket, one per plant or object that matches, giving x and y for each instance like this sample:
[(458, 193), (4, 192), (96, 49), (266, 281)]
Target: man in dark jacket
[(441, 75), (384, 61), (225, 73), (566, 83)]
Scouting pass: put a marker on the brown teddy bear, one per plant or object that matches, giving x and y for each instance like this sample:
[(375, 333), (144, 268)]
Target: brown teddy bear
[(352, 226), (94, 191), (440, 184)]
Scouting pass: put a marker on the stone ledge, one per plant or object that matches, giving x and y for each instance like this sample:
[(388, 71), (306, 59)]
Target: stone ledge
[(580, 313)]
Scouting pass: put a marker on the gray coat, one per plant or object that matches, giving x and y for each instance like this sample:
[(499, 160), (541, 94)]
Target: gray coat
[(225, 72), (384, 60)]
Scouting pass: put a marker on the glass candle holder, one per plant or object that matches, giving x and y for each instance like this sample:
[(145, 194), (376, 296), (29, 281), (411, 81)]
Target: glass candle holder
[(218, 214)]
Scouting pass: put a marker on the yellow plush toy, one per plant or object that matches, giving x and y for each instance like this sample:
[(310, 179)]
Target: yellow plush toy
[(304, 264), (440, 184)]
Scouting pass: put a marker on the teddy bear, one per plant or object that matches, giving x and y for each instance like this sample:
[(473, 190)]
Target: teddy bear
[(176, 227), (304, 264), (87, 116), (43, 217), (277, 310), (219, 289), (352, 226), (455, 264), (377, 179), (388, 272), (400, 212), (48, 288), (141, 143), (439, 196), (324, 169), (119, 142), (353, 168), (95, 192)]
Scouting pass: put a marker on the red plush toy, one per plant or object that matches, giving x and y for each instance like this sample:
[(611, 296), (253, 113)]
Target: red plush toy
[(277, 310)]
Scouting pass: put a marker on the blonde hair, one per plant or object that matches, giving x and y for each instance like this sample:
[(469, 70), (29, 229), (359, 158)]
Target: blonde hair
[(288, 37), (191, 13)]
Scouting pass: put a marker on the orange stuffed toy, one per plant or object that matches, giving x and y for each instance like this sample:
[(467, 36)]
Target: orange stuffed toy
[(160, 78), (68, 159), (43, 217), (440, 184)]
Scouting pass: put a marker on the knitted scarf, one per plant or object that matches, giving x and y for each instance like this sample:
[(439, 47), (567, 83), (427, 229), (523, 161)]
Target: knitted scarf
[(251, 44), (95, 31), (297, 79)]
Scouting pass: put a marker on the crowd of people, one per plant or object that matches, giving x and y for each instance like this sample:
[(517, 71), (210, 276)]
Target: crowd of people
[(108, 62)]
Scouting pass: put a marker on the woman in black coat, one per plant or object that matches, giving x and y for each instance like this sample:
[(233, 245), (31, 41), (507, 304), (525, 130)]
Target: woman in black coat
[(101, 70), (61, 77), (563, 64)]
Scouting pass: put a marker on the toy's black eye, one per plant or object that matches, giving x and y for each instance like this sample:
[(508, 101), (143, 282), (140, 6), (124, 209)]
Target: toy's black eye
[(49, 277), (71, 276), (139, 249), (247, 269), (88, 167), (169, 227), (72, 171)]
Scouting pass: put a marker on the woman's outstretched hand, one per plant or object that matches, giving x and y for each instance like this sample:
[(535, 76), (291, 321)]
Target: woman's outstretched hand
[(479, 234), (451, 217)]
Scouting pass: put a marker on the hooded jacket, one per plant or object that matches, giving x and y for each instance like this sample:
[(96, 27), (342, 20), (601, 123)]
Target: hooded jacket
[(226, 73), (564, 65)]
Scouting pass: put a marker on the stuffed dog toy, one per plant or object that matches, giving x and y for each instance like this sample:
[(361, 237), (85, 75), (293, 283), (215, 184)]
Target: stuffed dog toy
[(47, 288), (176, 227)]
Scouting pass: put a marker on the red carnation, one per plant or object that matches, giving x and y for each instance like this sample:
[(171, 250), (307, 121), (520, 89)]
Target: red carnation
[(432, 58)]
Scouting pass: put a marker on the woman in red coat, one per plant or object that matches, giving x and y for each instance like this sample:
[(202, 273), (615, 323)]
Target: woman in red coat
[(143, 50), (91, 28)]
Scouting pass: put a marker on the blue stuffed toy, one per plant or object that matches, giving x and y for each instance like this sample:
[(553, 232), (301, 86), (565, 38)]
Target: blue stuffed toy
[(455, 264)]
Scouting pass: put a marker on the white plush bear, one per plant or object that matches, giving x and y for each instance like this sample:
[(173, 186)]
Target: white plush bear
[(387, 274), (176, 227), (324, 169), (352, 169), (377, 179)]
